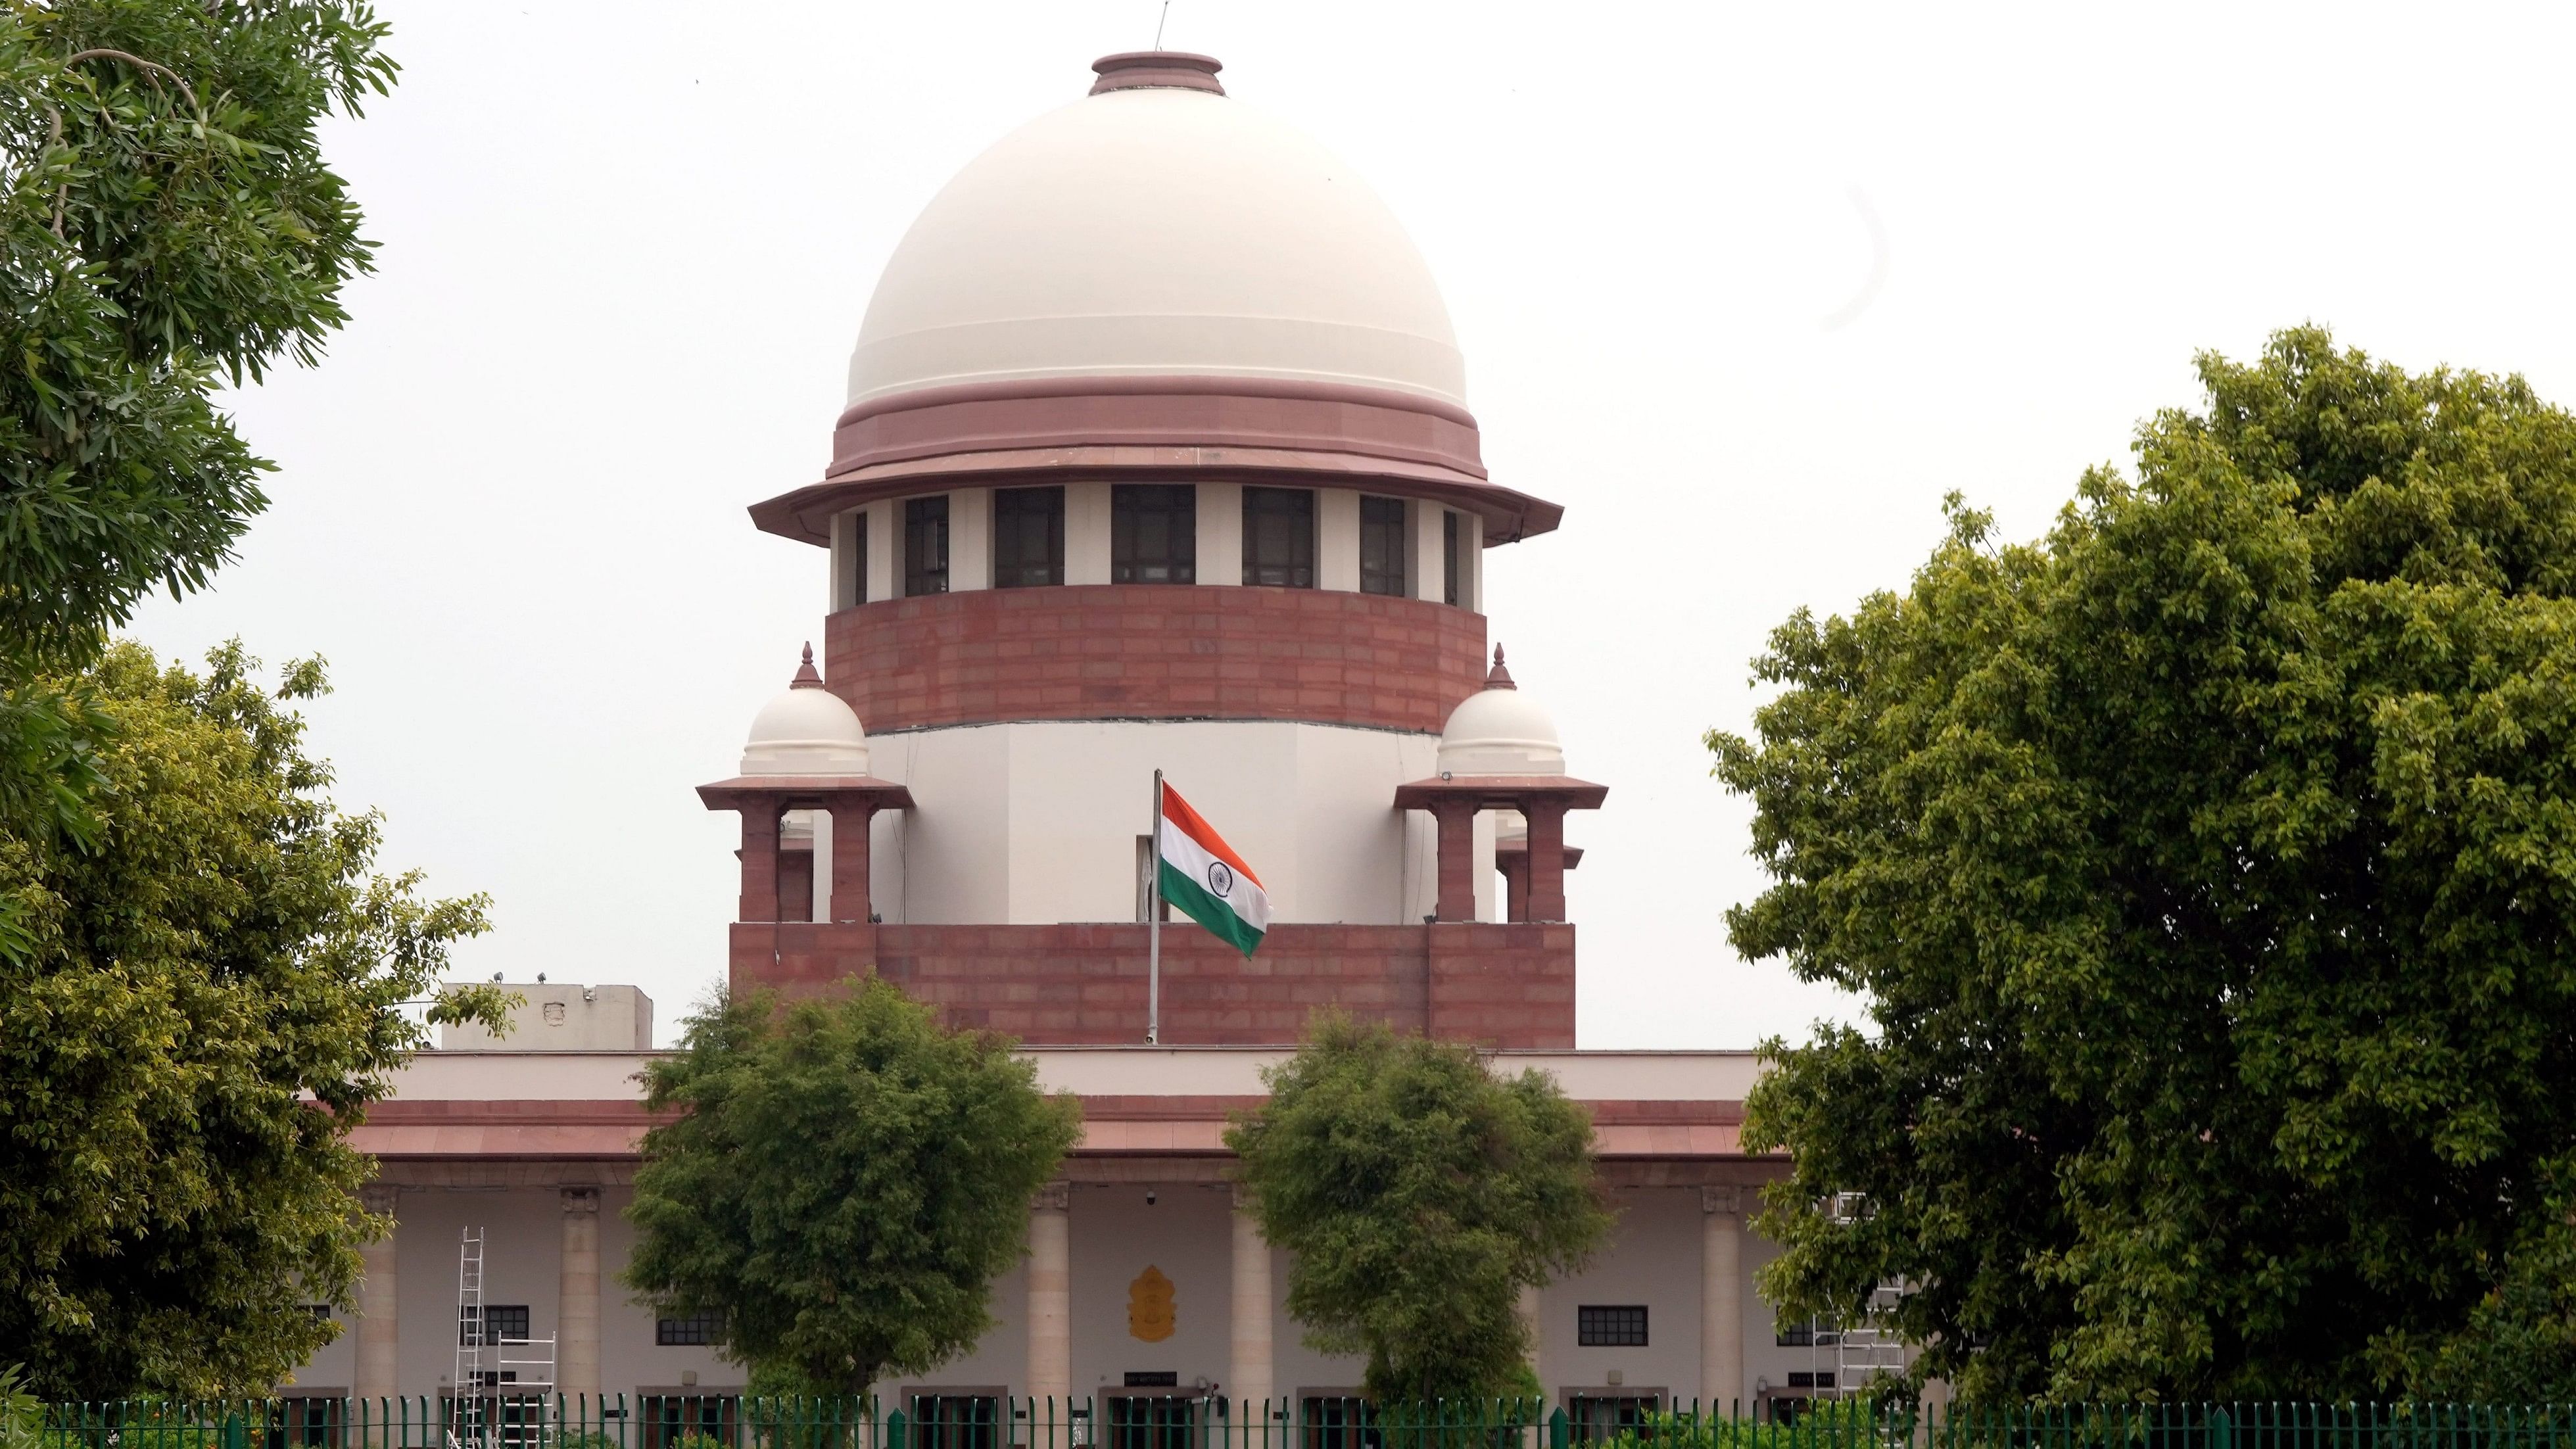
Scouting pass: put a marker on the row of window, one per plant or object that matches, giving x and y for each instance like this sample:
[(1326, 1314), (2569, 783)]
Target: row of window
[(1154, 539), (500, 1323), (1596, 1325)]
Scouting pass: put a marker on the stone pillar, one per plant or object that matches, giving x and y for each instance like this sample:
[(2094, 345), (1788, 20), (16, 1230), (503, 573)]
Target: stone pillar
[(1051, 1298), (850, 862), (1514, 864), (379, 1330), (1546, 859), (760, 860), (1249, 1368), (1721, 1296), (1457, 859), (577, 1317)]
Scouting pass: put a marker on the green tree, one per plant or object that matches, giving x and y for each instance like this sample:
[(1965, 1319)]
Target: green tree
[(2209, 870), (167, 227), (1418, 1193), (205, 1005), (844, 1181)]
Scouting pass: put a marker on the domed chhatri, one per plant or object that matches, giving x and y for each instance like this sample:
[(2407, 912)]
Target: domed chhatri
[(806, 730), (1500, 731)]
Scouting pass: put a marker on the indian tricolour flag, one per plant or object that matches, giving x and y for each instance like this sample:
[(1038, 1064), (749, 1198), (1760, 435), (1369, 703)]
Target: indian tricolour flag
[(1206, 881)]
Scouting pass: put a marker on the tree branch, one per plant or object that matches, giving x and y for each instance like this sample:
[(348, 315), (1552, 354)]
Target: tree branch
[(129, 58)]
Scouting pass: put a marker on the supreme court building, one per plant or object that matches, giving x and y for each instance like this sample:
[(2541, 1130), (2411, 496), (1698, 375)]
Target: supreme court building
[(1156, 455)]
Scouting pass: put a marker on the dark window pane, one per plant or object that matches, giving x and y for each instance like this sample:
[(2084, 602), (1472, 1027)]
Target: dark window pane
[(855, 572), (1028, 537), (695, 1328), (500, 1321), (1598, 1419), (925, 546), (1154, 533), (1336, 1423), (1279, 537), (1382, 546), (1138, 1421), (667, 1418), (1617, 1325), (1448, 556), (956, 1421)]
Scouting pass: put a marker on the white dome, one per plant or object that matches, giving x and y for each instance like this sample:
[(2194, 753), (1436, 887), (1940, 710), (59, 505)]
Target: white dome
[(1499, 730), (806, 730), (1157, 231)]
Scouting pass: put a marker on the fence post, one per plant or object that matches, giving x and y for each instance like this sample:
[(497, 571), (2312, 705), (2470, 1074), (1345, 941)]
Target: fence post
[(895, 1424), (1559, 1430)]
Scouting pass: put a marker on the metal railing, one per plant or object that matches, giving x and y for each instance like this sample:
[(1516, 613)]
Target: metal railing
[(1178, 1418)]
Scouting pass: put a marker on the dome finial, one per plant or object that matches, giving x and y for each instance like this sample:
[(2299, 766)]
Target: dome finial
[(1137, 70), (1500, 678), (806, 678)]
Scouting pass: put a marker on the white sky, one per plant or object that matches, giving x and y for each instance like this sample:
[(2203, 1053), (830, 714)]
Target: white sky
[(626, 248)]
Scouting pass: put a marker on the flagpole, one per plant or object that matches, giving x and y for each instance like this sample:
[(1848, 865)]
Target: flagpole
[(1154, 922)]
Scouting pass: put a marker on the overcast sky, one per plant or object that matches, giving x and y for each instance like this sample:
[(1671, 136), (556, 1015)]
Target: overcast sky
[(1747, 289)]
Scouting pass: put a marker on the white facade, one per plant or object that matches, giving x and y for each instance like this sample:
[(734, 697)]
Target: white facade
[(564, 1016), (1139, 1196), (1038, 819)]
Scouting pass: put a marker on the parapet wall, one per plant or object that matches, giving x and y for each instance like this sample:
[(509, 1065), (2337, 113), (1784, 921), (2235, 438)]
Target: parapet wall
[(1085, 984)]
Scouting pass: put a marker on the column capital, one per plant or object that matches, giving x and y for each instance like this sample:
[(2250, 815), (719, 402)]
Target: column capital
[(1055, 1197), (379, 1197), (581, 1201), (1728, 1201)]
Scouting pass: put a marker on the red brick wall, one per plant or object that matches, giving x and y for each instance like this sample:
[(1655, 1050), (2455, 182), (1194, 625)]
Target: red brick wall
[(1503, 985), (1158, 651)]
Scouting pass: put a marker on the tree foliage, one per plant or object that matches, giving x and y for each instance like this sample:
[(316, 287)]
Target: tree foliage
[(187, 994), (2209, 868), (167, 226), (1418, 1193), (844, 1182)]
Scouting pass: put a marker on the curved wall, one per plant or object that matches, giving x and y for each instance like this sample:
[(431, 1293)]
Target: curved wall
[(1155, 651)]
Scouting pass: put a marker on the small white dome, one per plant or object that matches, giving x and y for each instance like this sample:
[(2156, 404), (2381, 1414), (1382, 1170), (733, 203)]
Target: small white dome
[(806, 730), (1500, 731), (1157, 230)]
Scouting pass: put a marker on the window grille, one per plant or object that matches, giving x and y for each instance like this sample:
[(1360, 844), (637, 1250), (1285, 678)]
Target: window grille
[(1599, 1418), (1814, 1333), (1613, 1325), (1154, 533), (957, 1421), (1448, 556), (1279, 537), (925, 546), (1382, 550), (694, 1328), (502, 1322), (854, 577), (1028, 537), (668, 1418)]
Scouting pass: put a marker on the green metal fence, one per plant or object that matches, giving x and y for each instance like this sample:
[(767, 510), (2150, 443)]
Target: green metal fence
[(1177, 1418)]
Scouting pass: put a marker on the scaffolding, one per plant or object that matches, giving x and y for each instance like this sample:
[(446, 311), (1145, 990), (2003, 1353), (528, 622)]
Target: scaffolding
[(1846, 1359), (496, 1398)]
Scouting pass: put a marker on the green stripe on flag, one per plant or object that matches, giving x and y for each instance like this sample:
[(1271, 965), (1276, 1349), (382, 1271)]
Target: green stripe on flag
[(1201, 905)]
